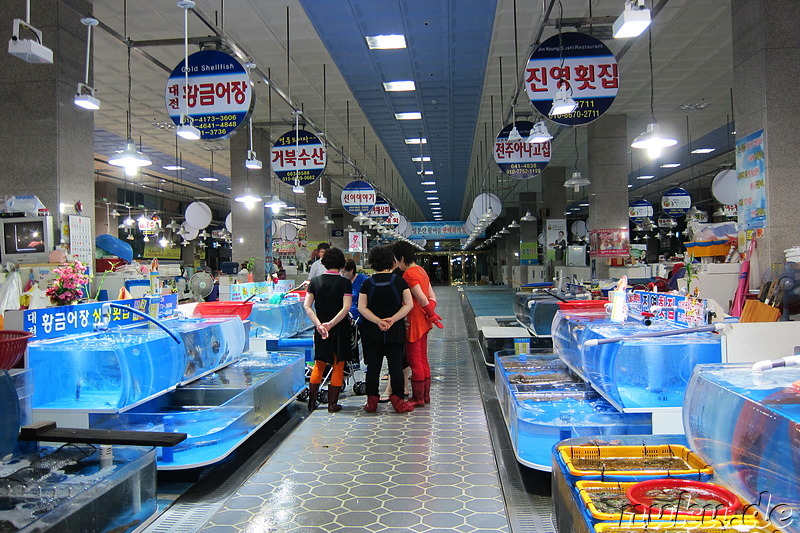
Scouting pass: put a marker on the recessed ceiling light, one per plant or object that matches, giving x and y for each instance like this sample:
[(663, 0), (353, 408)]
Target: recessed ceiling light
[(417, 141), (629, 185), (645, 177), (421, 158), (435, 203), (209, 178), (228, 188), (425, 172), (433, 191), (703, 150), (584, 205), (408, 116), (173, 167), (386, 42), (432, 198), (393, 86), (428, 183), (670, 165)]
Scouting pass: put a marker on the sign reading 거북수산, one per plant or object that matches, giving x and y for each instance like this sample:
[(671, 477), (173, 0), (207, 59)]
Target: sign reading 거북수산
[(298, 155), (218, 97), (358, 197), (440, 230), (578, 63), (520, 159)]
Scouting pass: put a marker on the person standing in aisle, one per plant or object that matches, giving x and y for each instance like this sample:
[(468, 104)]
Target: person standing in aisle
[(327, 304), (318, 267), (384, 302), (420, 321), (351, 273)]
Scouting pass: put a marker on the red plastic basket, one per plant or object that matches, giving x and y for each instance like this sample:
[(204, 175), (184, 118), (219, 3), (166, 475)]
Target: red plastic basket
[(216, 309), (582, 305), (728, 503), (12, 346)]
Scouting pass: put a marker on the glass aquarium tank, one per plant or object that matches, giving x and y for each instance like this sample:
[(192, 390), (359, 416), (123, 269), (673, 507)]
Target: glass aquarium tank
[(747, 425), (278, 321), (567, 331), (645, 373)]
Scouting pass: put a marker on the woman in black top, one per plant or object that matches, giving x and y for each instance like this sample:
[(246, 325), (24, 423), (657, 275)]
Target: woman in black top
[(327, 303), (384, 301)]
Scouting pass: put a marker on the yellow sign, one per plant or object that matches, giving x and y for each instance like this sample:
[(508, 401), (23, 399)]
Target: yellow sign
[(153, 249)]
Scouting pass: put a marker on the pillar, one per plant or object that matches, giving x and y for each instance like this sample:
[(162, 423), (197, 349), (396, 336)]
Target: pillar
[(248, 222), (47, 146), (766, 65), (607, 138), (554, 195), (528, 231)]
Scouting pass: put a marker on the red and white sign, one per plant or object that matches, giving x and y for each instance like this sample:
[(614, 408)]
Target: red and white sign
[(381, 209), (613, 242), (355, 240), (393, 219), (149, 226), (298, 156)]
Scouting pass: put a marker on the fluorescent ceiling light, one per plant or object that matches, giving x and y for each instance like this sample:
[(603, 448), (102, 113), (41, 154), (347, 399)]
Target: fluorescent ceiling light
[(209, 178), (632, 21), (425, 172), (584, 205), (513, 135), (432, 198), (396, 86), (85, 98), (434, 191), (629, 185), (421, 158), (386, 42), (428, 183), (417, 141), (670, 165), (187, 130), (408, 116), (645, 177), (703, 150), (539, 133), (252, 162), (652, 140), (297, 188), (173, 167), (435, 203)]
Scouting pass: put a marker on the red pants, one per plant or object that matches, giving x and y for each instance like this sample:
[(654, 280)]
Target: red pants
[(417, 356)]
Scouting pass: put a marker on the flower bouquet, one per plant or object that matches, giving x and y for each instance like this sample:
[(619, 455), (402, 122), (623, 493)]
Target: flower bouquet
[(68, 287)]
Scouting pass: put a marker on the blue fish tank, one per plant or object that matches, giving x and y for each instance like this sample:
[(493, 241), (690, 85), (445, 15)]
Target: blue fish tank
[(567, 329), (281, 320), (747, 424)]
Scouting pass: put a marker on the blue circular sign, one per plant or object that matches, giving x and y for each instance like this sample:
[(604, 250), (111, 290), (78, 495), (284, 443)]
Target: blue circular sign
[(218, 97), (640, 209), (298, 155), (676, 202), (358, 197), (518, 158), (580, 65)]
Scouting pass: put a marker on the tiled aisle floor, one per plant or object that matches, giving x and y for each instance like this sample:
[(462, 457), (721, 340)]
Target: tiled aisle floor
[(430, 470)]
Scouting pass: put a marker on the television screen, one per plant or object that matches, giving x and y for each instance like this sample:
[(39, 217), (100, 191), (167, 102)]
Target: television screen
[(24, 237)]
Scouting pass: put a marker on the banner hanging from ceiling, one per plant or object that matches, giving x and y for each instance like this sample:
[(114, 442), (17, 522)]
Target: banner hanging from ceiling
[(518, 158), (298, 155), (358, 197), (218, 97), (579, 64), (453, 229)]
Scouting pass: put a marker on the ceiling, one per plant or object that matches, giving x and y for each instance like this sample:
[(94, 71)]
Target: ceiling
[(455, 52)]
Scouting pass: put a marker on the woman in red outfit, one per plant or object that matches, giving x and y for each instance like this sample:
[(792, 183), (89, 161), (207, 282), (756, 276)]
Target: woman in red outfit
[(419, 321)]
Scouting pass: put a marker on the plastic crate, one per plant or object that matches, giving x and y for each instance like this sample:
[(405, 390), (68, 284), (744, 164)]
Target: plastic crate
[(707, 248), (217, 309), (12, 347), (582, 305), (752, 525), (588, 495), (600, 457)]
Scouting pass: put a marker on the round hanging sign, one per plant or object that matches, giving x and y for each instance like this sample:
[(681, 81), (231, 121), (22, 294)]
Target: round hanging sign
[(640, 209), (219, 94), (676, 202), (358, 197), (392, 220), (581, 65), (381, 209), (198, 215), (298, 155), (667, 222), (520, 159)]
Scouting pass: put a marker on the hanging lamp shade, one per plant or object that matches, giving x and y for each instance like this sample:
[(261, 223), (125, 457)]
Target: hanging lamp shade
[(539, 133), (577, 181), (129, 157), (513, 224), (528, 217), (563, 104), (653, 140), (247, 197), (513, 135)]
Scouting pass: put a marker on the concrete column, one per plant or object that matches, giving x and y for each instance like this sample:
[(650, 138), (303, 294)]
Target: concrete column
[(47, 144), (554, 195), (766, 65), (528, 231), (608, 172), (248, 222)]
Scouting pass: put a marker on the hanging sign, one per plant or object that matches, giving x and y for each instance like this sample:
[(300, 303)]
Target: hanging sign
[(581, 65), (556, 233), (381, 209), (219, 94), (355, 239), (358, 197), (440, 230), (751, 191), (520, 159), (640, 209), (298, 154), (149, 226), (614, 242), (667, 222), (676, 202), (730, 210), (392, 220)]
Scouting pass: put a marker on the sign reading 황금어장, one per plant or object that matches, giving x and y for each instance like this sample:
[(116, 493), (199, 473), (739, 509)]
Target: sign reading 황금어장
[(298, 156), (518, 158), (440, 230), (579, 64), (358, 197), (218, 97)]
